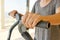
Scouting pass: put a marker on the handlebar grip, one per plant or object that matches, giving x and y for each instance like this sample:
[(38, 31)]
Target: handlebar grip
[(26, 35), (43, 24)]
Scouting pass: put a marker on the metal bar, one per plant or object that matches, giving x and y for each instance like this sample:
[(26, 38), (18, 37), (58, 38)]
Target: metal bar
[(14, 25), (27, 6)]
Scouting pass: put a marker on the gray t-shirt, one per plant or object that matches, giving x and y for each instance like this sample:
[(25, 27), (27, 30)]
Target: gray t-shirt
[(52, 33)]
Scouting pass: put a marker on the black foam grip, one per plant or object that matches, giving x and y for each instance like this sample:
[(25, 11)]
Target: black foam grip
[(43, 24), (26, 36)]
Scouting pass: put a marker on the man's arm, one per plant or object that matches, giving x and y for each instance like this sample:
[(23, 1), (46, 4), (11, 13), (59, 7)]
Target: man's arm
[(54, 19)]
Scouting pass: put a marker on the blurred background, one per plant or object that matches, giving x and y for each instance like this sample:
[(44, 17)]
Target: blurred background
[(7, 21)]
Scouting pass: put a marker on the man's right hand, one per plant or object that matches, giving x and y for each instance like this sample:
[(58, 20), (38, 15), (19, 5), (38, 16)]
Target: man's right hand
[(12, 13)]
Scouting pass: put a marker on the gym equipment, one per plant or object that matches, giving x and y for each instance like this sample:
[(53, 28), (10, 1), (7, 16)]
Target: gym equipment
[(22, 29)]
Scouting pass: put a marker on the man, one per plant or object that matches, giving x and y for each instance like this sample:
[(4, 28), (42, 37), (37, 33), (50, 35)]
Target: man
[(44, 8)]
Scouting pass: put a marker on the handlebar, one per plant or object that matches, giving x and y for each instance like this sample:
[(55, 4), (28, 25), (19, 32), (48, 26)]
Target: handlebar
[(24, 33), (23, 30)]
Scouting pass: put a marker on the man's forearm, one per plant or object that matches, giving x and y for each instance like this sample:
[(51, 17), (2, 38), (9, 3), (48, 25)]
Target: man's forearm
[(53, 19)]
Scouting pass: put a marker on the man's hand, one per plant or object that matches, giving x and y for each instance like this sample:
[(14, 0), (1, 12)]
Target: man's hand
[(12, 13), (30, 20)]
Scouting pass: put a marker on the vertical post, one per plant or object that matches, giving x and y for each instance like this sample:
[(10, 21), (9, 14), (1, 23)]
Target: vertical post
[(27, 9), (27, 6), (2, 14)]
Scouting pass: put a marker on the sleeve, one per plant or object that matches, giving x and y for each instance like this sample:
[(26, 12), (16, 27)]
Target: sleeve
[(57, 3)]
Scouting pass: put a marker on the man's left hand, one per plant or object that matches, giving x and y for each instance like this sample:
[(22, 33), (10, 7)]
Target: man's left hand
[(30, 20)]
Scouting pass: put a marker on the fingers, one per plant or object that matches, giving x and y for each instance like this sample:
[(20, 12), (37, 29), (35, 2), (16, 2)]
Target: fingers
[(12, 13), (36, 20), (28, 19), (32, 20), (24, 18)]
